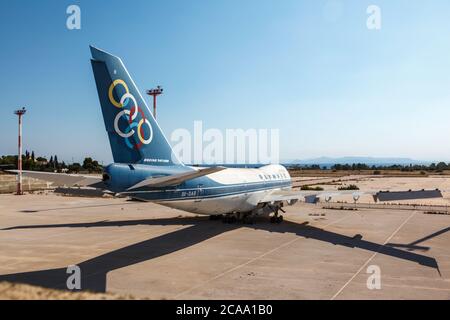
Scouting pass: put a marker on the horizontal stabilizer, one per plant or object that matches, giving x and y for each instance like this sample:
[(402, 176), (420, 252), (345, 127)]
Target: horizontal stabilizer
[(175, 179)]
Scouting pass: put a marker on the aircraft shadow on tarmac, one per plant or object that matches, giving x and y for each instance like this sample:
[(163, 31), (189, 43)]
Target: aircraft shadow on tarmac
[(95, 270), (414, 245)]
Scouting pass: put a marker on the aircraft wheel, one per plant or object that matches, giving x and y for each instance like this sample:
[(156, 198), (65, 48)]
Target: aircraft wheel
[(273, 219), (280, 219), (248, 220), (228, 219)]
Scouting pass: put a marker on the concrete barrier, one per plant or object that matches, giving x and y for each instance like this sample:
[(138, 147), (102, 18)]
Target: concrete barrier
[(8, 184), (80, 192)]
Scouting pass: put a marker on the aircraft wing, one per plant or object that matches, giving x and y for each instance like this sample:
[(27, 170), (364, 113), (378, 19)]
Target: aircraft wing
[(313, 196), (175, 179), (64, 179)]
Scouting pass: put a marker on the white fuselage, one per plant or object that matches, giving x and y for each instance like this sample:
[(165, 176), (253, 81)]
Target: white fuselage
[(254, 185)]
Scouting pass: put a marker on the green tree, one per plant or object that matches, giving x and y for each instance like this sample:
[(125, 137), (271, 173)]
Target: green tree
[(74, 167), (88, 164), (441, 166)]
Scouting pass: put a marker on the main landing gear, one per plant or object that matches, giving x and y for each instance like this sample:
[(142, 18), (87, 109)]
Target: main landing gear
[(249, 217), (277, 218), (229, 218), (215, 217), (245, 218)]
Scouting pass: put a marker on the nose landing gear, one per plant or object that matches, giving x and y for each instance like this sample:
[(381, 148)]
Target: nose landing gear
[(229, 218), (249, 217), (276, 219)]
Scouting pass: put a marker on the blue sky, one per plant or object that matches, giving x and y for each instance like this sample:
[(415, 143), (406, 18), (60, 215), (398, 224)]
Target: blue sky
[(310, 68)]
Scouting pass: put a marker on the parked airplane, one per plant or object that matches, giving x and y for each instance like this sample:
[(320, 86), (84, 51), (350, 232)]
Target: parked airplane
[(146, 168)]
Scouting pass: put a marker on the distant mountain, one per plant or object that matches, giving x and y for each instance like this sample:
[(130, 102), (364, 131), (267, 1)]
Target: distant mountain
[(328, 161)]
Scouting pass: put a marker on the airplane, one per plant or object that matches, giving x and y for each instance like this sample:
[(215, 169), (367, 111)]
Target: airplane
[(146, 168)]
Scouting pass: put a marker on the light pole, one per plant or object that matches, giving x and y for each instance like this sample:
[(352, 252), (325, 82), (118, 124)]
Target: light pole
[(20, 113), (155, 92)]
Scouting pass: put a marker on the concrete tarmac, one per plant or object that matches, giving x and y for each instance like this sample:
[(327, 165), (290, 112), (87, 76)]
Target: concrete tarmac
[(149, 251)]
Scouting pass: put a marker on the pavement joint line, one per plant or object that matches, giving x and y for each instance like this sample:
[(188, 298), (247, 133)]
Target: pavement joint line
[(100, 271), (62, 233), (252, 260), (137, 259), (74, 231), (373, 256), (130, 264), (416, 287), (46, 238)]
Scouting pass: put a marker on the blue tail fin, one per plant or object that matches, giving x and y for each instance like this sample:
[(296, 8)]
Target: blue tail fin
[(133, 132)]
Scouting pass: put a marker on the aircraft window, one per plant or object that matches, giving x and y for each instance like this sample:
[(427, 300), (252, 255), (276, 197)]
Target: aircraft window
[(261, 177), (274, 176)]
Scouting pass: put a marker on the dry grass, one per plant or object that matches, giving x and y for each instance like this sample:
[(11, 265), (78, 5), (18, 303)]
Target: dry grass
[(13, 291), (343, 173)]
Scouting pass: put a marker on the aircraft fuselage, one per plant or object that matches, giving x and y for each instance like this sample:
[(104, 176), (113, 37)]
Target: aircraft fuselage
[(228, 191)]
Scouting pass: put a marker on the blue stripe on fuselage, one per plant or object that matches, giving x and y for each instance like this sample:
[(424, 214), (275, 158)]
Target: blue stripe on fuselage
[(123, 176), (206, 192)]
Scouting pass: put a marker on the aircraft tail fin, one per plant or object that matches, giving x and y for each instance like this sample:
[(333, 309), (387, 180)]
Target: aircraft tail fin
[(133, 132)]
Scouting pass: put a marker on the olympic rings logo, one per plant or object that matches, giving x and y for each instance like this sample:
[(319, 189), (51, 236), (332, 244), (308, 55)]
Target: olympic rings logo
[(130, 115)]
